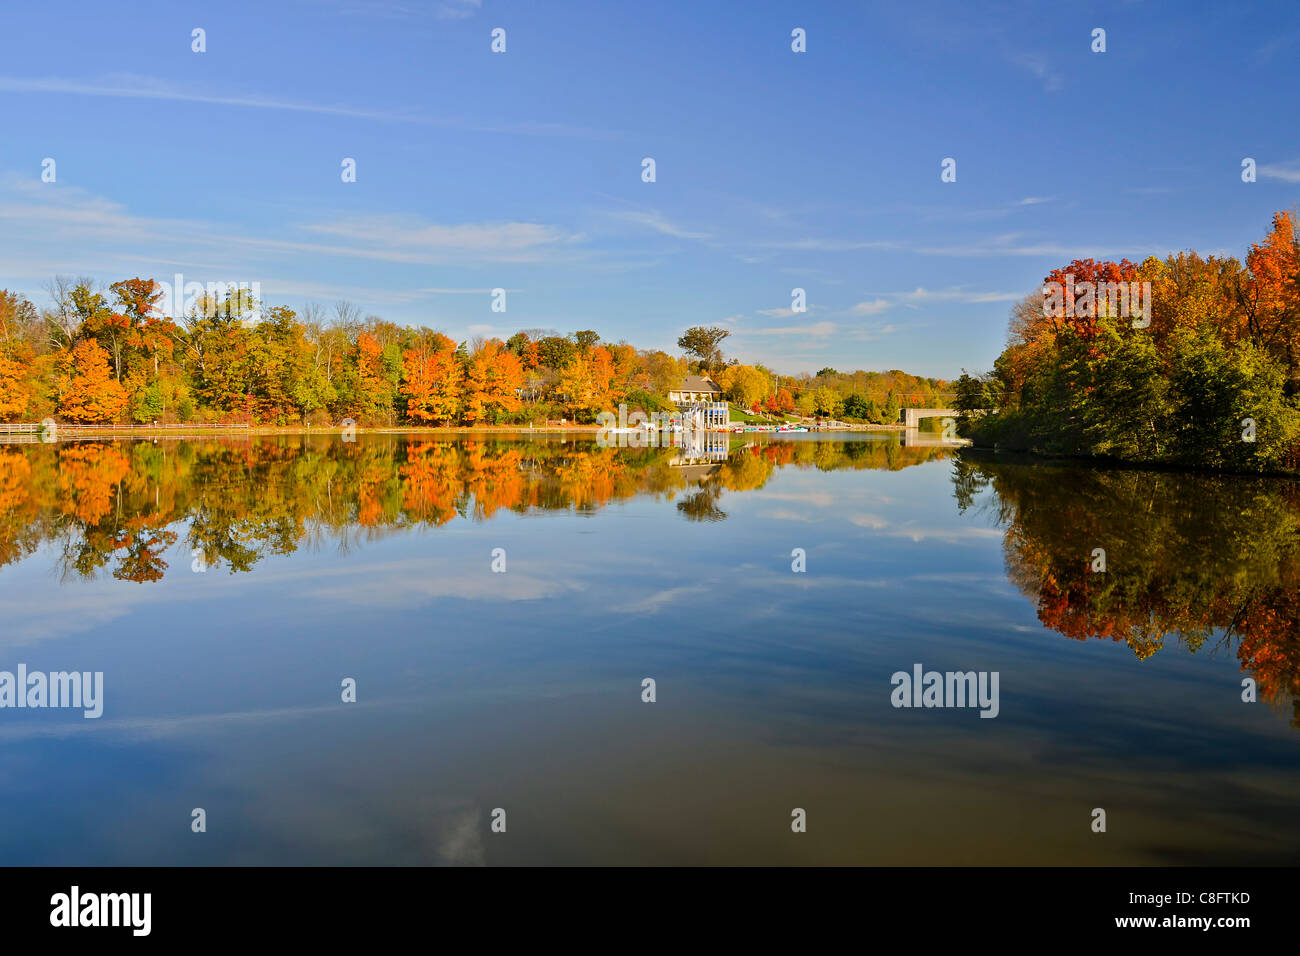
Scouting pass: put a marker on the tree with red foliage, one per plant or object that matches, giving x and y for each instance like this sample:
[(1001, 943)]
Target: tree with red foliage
[(1082, 283)]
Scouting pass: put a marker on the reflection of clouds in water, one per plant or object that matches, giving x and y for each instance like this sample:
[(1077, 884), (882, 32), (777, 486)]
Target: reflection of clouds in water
[(460, 838), (867, 486), (914, 529), (874, 522), (786, 516), (28, 621), (389, 822), (818, 499), (966, 577), (663, 600), (183, 725), (947, 535), (415, 583), (908, 529), (773, 583), (34, 611), (404, 583)]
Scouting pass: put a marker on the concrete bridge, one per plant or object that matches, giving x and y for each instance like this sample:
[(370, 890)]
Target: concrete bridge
[(913, 437), (911, 417)]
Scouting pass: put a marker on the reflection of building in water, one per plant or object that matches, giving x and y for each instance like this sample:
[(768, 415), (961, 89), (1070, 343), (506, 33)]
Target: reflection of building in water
[(701, 454), (702, 416)]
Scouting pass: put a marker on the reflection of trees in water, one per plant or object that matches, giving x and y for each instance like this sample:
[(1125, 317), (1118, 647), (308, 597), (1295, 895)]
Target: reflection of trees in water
[(1188, 557), (124, 504), (703, 504)]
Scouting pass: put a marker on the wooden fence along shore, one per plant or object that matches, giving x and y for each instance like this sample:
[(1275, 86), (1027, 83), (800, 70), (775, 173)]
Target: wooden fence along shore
[(28, 428), (31, 432)]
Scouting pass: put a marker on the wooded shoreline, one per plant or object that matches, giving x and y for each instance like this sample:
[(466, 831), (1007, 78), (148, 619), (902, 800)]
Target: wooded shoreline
[(217, 431)]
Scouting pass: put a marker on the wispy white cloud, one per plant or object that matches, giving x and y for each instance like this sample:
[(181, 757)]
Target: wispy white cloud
[(1288, 172), (830, 245), (71, 216), (274, 288), (821, 276), (920, 294), (653, 220), (457, 9), (133, 86), (407, 9), (871, 308), (1040, 66), (412, 233), (461, 291), (870, 333), (1011, 245), (816, 329), (786, 312), (1278, 42)]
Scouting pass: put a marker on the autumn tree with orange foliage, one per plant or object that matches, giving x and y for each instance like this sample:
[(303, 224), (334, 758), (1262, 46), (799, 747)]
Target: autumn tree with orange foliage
[(431, 381), (15, 392), (586, 382), (492, 378), (89, 393), (1271, 298), (18, 320), (374, 381)]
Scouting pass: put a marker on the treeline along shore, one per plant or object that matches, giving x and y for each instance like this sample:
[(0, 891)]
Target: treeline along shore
[(122, 354), (1185, 361)]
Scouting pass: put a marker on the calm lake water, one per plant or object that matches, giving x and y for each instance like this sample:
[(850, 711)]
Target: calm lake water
[(227, 588)]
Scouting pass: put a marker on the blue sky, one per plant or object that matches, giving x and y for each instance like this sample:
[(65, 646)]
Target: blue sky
[(522, 170)]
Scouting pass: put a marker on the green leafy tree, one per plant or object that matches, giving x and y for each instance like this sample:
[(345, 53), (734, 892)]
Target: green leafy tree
[(555, 352), (703, 343), (586, 340), (891, 407)]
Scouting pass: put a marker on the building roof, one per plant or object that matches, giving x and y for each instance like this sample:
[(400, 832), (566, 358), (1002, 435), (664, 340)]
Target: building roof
[(698, 383)]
